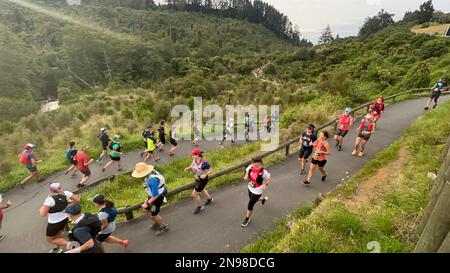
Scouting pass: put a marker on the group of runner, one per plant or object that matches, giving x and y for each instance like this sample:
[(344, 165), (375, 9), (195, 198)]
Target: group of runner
[(319, 147), (90, 231)]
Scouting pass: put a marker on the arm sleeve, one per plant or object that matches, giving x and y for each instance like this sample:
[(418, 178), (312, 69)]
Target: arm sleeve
[(102, 215), (68, 194), (266, 175)]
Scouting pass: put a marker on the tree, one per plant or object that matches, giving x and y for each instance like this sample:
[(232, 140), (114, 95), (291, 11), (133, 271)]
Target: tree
[(423, 15), (327, 36), (374, 24)]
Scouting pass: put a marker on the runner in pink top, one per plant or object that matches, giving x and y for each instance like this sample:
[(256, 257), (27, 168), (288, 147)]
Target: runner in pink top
[(344, 123)]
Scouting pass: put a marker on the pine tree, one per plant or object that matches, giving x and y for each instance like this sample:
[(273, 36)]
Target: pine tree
[(327, 36)]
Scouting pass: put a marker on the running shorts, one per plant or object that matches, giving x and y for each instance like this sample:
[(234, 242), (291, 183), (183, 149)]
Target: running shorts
[(320, 163), (304, 153), (200, 184), (54, 229), (341, 133)]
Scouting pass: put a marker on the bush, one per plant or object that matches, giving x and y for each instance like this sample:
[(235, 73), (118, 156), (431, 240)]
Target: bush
[(434, 48)]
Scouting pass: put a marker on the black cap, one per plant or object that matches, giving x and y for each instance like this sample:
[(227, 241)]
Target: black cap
[(149, 126), (73, 209), (256, 160), (99, 199), (311, 127)]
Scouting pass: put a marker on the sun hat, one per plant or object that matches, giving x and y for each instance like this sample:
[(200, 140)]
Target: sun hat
[(141, 170)]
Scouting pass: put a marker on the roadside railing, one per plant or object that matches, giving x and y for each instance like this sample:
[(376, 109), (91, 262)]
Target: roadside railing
[(128, 210)]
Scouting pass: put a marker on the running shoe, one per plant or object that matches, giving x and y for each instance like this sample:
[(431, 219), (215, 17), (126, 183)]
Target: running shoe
[(198, 209), (245, 222), (162, 229), (155, 226), (264, 200), (2, 236), (302, 172), (339, 148), (426, 108), (361, 154), (355, 152), (103, 169), (55, 250), (434, 106), (79, 185), (306, 182), (209, 201), (124, 244), (324, 177)]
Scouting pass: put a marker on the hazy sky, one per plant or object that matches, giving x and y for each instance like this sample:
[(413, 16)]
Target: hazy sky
[(344, 16)]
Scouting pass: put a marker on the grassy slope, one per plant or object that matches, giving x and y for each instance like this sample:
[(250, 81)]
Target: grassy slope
[(390, 213), (431, 30)]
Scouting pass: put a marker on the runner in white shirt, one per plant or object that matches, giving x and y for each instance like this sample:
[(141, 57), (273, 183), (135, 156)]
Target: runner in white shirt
[(258, 178), (53, 207)]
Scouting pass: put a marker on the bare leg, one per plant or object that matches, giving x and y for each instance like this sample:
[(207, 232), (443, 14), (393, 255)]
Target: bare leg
[(28, 178), (205, 193), (158, 219), (197, 198), (107, 165), (312, 168)]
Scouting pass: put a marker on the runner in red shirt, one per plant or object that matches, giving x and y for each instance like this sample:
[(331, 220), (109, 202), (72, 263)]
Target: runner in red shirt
[(3, 206), (365, 130), (377, 109), (83, 161), (344, 123)]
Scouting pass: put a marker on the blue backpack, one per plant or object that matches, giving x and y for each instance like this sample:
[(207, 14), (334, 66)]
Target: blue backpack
[(112, 213)]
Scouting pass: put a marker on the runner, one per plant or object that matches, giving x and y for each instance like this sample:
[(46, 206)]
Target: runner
[(71, 151), (173, 142), (365, 130), (258, 178), (107, 216), (104, 139), (344, 123), (306, 141), (228, 132), (441, 85), (115, 154), (53, 207), (152, 143), (162, 135), (28, 158), (202, 169), (154, 185), (2, 207), (319, 158), (267, 123), (377, 108), (85, 227), (83, 161), (197, 134), (247, 126)]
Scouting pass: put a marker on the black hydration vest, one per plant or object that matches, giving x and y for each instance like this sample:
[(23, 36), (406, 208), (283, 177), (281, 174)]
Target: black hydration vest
[(60, 203)]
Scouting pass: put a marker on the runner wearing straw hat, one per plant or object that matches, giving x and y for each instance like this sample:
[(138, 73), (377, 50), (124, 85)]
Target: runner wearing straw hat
[(154, 185)]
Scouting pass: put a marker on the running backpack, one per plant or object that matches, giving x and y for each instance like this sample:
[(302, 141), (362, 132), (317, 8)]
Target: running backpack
[(112, 213), (71, 152), (92, 222), (111, 145), (259, 178), (60, 203), (25, 157)]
